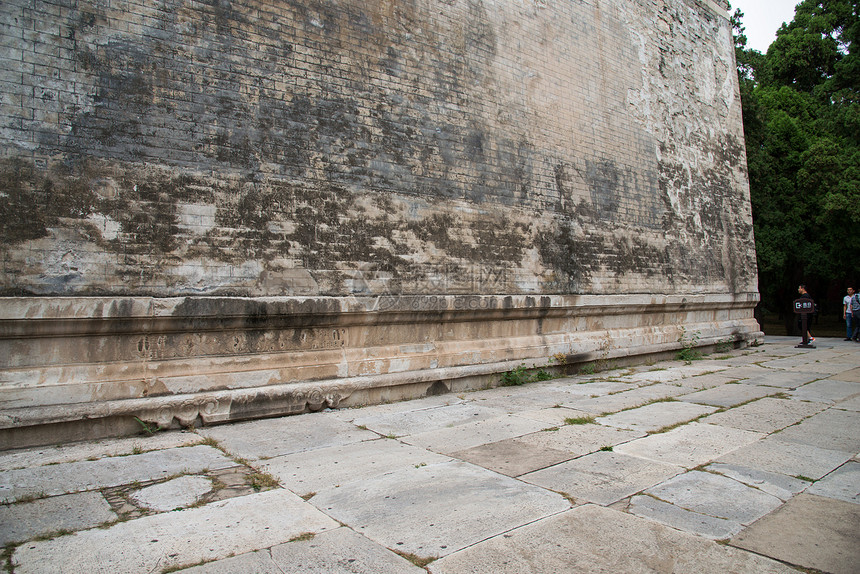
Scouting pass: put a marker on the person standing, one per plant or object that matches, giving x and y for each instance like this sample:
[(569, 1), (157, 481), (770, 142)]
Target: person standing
[(855, 318), (804, 294), (848, 315)]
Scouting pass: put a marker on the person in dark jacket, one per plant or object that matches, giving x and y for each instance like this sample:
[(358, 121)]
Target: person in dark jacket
[(804, 294)]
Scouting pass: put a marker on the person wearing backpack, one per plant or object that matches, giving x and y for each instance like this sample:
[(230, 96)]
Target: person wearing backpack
[(847, 314), (855, 316)]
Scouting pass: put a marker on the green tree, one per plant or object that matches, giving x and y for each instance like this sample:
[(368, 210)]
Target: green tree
[(801, 110)]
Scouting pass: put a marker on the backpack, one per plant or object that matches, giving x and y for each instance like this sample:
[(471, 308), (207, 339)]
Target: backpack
[(855, 304)]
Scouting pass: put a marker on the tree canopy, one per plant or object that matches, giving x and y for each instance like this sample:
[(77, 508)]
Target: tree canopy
[(801, 111)]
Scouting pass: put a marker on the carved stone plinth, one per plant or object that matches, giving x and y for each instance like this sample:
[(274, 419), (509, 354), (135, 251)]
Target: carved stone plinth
[(83, 367)]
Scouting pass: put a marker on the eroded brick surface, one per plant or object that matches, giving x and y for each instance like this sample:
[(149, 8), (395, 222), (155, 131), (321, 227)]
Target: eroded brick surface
[(334, 148)]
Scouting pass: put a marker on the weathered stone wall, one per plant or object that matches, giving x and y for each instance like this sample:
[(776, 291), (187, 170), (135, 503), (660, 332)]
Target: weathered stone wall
[(328, 148), (442, 157)]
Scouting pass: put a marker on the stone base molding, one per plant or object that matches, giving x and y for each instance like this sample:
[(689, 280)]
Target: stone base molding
[(82, 367)]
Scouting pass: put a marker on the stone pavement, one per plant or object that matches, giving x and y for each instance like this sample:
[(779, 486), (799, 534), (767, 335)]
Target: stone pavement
[(742, 462)]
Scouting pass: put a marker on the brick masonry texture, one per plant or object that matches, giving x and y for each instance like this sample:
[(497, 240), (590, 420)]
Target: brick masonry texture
[(307, 148)]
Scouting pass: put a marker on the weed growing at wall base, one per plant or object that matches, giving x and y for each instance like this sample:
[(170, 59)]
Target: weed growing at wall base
[(148, 428), (688, 352), (521, 376), (725, 345)]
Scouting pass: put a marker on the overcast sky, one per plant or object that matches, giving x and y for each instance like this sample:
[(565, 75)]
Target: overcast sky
[(762, 18)]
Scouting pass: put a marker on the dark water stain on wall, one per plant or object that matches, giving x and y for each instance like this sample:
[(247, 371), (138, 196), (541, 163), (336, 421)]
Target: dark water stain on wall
[(604, 183), (21, 215), (566, 252), (35, 200), (635, 255)]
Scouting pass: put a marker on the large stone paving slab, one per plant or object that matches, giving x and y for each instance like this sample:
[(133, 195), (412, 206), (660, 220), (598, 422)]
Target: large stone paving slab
[(511, 399), (690, 445), (824, 369), (683, 519), (256, 562), (554, 416), (602, 540), (780, 346), (431, 402), (747, 357), (774, 483), (841, 484), (702, 366), (71, 477), (602, 477), (809, 531), (658, 375), (833, 429), (179, 492), (437, 509), (796, 362), (746, 372), (625, 400), (656, 416), (450, 440), (427, 420), (715, 495), (827, 391), (850, 375), (791, 459), (534, 451), (168, 540), (90, 450), (852, 404), (339, 551), (596, 387), (783, 379), (517, 402), (765, 415), (285, 435), (729, 395), (27, 520), (579, 439), (304, 473), (512, 457), (702, 382)]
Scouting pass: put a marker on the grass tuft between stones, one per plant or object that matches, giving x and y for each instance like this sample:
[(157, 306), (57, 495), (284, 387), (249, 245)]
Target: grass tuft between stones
[(260, 480), (419, 561), (303, 537), (579, 420), (7, 556)]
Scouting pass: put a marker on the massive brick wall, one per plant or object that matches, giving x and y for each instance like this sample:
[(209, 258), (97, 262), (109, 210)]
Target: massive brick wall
[(213, 210), (284, 148)]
